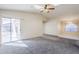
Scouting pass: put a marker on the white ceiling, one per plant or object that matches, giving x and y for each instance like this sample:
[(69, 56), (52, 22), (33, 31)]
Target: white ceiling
[(60, 10), (19, 7)]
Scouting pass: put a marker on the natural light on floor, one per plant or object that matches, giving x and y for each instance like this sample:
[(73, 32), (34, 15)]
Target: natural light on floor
[(17, 43)]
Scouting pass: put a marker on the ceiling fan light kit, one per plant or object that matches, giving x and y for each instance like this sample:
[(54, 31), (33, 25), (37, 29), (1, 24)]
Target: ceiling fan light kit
[(47, 8)]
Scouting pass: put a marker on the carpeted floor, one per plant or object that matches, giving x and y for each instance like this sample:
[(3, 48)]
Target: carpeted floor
[(39, 45)]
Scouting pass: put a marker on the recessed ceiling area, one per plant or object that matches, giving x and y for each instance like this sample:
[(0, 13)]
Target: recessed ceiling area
[(60, 10), (19, 7), (34, 8)]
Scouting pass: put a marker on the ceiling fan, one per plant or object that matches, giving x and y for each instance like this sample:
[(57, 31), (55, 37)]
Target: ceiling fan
[(47, 8)]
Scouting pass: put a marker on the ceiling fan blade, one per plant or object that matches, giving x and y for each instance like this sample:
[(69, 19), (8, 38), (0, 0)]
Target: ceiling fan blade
[(50, 8)]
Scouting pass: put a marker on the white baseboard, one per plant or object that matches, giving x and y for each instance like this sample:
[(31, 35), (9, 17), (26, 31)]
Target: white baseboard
[(63, 36)]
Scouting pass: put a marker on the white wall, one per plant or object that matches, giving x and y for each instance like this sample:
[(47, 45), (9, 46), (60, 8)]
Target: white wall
[(51, 27), (31, 23)]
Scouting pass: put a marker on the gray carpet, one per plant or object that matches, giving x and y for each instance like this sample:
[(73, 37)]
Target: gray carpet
[(39, 45)]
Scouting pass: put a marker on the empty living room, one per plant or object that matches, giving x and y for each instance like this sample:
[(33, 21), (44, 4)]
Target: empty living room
[(39, 28)]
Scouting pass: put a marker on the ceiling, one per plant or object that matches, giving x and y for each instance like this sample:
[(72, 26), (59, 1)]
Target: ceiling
[(19, 7), (60, 10), (24, 7)]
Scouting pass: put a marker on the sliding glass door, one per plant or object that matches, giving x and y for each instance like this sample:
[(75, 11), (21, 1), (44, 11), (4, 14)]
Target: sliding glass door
[(10, 30)]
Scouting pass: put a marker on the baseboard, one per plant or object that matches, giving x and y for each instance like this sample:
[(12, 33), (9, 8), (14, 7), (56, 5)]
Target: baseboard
[(69, 38), (51, 35), (61, 37)]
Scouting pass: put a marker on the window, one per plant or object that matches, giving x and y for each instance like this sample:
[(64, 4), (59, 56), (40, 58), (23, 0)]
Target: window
[(70, 27)]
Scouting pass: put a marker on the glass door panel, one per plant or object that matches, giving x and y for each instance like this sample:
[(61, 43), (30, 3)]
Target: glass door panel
[(10, 30), (6, 30)]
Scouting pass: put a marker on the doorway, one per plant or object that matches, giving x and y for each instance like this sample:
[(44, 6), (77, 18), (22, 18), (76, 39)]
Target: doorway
[(10, 30)]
